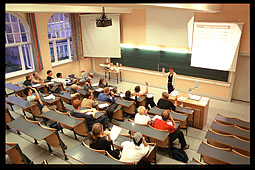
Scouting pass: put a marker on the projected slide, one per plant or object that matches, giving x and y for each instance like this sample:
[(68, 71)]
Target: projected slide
[(214, 45)]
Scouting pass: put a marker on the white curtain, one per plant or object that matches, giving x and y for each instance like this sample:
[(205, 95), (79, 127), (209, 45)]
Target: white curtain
[(100, 41)]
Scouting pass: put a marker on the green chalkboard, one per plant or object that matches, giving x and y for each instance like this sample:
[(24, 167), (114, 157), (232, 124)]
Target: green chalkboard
[(155, 60)]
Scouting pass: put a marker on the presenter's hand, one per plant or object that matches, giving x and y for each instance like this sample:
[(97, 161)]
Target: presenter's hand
[(163, 69), (146, 83)]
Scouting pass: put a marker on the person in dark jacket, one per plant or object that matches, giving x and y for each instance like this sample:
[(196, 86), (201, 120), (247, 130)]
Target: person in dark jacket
[(164, 103), (102, 83), (28, 81)]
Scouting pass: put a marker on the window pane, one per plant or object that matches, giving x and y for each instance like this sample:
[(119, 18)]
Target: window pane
[(61, 16), (25, 50), (57, 26), (51, 51), (14, 19), (53, 33), (8, 28), (17, 38), (60, 53), (58, 33), (62, 33), (67, 25), (10, 38), (15, 27), (24, 37), (62, 25), (22, 29), (12, 59), (56, 17), (7, 18)]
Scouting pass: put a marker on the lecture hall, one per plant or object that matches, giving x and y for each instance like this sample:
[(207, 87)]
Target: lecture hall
[(127, 84)]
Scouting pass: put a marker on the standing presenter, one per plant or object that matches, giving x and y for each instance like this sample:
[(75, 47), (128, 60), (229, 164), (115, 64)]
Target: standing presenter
[(171, 79)]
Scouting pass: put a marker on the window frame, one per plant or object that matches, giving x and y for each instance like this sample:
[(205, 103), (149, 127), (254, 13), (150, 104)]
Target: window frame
[(54, 42), (19, 45)]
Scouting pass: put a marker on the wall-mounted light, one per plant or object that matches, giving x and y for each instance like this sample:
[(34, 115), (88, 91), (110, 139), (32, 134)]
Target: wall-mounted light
[(144, 47)]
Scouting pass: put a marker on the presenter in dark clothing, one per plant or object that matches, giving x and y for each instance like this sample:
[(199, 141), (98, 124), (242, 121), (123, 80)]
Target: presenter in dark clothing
[(164, 103), (171, 79)]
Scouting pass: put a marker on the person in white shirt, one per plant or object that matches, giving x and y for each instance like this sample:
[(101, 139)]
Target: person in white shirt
[(142, 116), (134, 151), (60, 79)]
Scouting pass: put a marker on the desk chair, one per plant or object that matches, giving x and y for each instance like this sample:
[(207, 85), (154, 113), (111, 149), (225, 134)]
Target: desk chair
[(242, 137), (8, 117), (231, 119), (127, 163), (81, 129), (238, 153), (197, 161), (222, 132), (190, 120), (16, 155), (53, 139), (118, 113), (241, 151), (96, 150), (143, 102), (217, 144), (210, 160), (130, 109)]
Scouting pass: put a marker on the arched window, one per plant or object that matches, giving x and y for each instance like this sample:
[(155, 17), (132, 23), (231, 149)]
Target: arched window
[(18, 54), (60, 38)]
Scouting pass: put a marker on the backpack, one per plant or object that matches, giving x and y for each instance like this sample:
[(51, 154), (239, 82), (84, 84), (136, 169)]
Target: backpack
[(179, 155)]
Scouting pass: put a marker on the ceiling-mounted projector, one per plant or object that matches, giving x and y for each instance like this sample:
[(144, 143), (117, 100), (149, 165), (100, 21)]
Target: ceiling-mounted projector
[(103, 20)]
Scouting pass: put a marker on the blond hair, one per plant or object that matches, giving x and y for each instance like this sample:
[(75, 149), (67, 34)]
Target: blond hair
[(141, 110), (74, 86)]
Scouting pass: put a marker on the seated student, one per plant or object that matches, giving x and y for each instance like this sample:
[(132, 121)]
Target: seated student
[(76, 112), (101, 140), (164, 124), (102, 83), (105, 96), (88, 85), (115, 92), (142, 116), (49, 76), (127, 96), (73, 91), (36, 79), (35, 98), (28, 81), (134, 151), (149, 101), (60, 79), (164, 103), (89, 101)]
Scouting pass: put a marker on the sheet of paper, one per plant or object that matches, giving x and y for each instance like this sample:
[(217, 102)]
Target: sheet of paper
[(182, 98), (36, 85), (103, 105), (122, 95), (174, 93), (194, 97), (149, 95), (89, 113), (94, 84), (115, 132), (51, 96), (100, 89)]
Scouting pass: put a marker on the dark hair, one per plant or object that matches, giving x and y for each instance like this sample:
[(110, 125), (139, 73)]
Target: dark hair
[(25, 91), (49, 71), (137, 88), (27, 76), (127, 93), (114, 90), (139, 142), (100, 81), (34, 73), (58, 75), (87, 94), (165, 115)]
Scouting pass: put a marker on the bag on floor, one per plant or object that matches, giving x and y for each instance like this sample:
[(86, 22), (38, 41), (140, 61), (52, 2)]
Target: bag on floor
[(180, 155)]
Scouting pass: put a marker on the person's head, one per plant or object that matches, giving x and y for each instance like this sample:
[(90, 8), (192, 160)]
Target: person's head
[(141, 110), (28, 91), (35, 74), (114, 90), (77, 104), (101, 81), (28, 77), (49, 73), (165, 95), (75, 87), (127, 93), (88, 95), (171, 70), (137, 89), (138, 138), (97, 129), (165, 115), (59, 75), (88, 81), (106, 90)]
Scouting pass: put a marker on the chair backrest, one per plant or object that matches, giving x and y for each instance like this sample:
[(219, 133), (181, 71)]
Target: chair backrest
[(82, 128), (35, 110), (239, 153), (130, 109), (16, 156), (151, 156), (209, 160), (127, 163), (143, 102), (162, 144), (222, 132), (32, 121), (8, 116), (96, 150), (117, 113), (242, 137), (197, 161), (218, 144), (53, 139)]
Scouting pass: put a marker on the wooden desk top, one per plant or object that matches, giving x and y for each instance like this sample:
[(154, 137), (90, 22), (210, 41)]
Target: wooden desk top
[(233, 121), (87, 156), (65, 95), (13, 87), (184, 110), (123, 102), (61, 118), (29, 128), (228, 140), (145, 130), (226, 156), (19, 102), (202, 102), (231, 130), (49, 101)]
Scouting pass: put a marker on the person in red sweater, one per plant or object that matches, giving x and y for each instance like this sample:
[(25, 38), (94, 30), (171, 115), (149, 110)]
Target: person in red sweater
[(166, 124)]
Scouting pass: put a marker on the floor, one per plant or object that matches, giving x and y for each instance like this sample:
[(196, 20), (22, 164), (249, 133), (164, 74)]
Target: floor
[(38, 153)]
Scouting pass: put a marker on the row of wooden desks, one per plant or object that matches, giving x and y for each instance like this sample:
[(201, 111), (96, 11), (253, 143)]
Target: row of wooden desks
[(234, 121)]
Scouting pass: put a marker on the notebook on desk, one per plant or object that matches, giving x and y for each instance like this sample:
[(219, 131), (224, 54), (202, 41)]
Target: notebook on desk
[(194, 97)]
